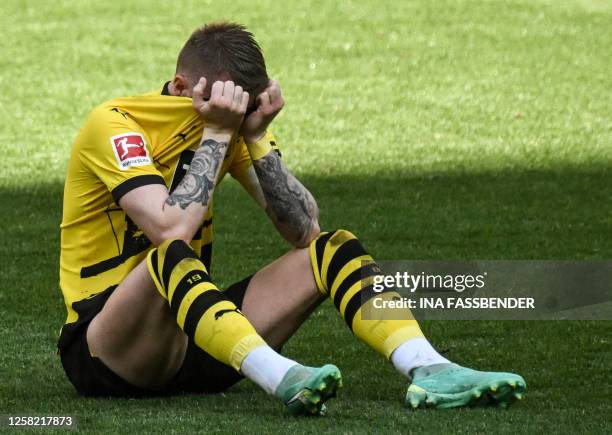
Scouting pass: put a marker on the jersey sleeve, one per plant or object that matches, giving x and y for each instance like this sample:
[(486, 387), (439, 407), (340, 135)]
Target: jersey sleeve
[(242, 159), (117, 151)]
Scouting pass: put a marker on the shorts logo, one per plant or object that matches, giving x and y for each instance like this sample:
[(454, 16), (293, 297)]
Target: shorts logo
[(130, 150)]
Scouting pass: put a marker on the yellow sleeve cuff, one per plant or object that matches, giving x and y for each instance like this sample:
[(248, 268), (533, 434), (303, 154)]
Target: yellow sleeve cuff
[(262, 147)]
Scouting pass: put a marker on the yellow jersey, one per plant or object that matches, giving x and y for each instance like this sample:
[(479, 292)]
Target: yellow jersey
[(126, 143)]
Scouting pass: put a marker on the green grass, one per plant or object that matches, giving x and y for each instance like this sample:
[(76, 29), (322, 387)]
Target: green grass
[(433, 130)]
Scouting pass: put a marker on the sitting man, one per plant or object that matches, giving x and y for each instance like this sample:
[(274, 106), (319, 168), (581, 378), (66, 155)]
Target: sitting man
[(144, 316)]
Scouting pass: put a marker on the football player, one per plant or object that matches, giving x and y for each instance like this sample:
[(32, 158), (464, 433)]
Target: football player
[(144, 315)]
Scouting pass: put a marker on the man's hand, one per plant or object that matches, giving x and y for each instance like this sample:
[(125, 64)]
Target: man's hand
[(224, 111), (269, 104)]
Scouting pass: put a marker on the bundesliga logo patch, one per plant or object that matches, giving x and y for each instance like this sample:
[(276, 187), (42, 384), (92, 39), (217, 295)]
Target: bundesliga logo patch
[(130, 150)]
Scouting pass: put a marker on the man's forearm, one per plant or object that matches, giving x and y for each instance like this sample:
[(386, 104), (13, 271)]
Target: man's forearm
[(199, 182), (288, 202), (188, 203)]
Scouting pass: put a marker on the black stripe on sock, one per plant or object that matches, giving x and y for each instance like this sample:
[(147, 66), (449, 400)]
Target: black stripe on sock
[(358, 299), (177, 251), (320, 248), (353, 277), (349, 250), (183, 287), (154, 264), (197, 309), (206, 256)]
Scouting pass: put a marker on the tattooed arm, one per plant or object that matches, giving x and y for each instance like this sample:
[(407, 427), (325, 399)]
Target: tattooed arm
[(178, 215), (163, 216), (288, 203)]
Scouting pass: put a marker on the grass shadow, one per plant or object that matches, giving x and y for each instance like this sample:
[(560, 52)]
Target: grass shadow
[(563, 214)]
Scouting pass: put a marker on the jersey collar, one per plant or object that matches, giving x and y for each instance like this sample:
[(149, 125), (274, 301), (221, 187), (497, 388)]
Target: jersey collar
[(165, 90)]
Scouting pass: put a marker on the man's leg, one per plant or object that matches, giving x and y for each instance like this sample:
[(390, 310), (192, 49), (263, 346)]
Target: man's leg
[(340, 263), (281, 296), (150, 357), (135, 334)]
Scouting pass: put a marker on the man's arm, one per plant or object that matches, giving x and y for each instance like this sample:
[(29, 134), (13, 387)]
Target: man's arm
[(162, 216), (289, 204)]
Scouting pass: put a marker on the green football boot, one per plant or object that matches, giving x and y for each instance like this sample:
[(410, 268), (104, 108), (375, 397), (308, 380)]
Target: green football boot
[(304, 390), (442, 386)]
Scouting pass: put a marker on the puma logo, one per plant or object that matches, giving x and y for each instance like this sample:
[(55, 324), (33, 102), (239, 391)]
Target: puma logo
[(124, 114), (220, 313), (183, 135)]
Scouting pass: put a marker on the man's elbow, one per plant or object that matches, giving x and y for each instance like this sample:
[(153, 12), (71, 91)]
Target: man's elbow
[(314, 231), (173, 232), (309, 235)]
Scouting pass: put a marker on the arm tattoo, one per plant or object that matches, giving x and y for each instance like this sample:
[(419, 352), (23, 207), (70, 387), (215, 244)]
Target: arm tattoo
[(198, 183), (286, 198)]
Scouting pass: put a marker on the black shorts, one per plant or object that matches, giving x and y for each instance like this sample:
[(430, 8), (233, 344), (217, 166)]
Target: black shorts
[(200, 372)]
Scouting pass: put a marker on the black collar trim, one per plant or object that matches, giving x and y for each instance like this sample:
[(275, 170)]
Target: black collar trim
[(165, 90)]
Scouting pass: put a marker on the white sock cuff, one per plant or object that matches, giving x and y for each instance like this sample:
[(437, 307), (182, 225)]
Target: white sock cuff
[(413, 353), (267, 368)]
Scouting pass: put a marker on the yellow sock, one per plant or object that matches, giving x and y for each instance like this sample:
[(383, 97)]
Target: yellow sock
[(343, 270), (212, 321)]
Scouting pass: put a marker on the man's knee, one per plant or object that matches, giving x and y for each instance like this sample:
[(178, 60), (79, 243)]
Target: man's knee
[(176, 248), (325, 247), (342, 235), (330, 239)]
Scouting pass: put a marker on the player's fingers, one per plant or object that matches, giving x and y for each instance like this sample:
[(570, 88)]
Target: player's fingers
[(274, 90), (228, 91), (264, 102), (238, 95), (198, 89), (277, 103), (245, 102), (276, 98), (216, 92)]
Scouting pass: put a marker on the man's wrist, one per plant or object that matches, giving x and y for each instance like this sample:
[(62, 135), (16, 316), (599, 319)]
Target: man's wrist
[(261, 147), (251, 140), (218, 135)]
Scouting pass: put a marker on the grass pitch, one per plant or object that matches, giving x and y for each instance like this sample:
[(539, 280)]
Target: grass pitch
[(433, 130)]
